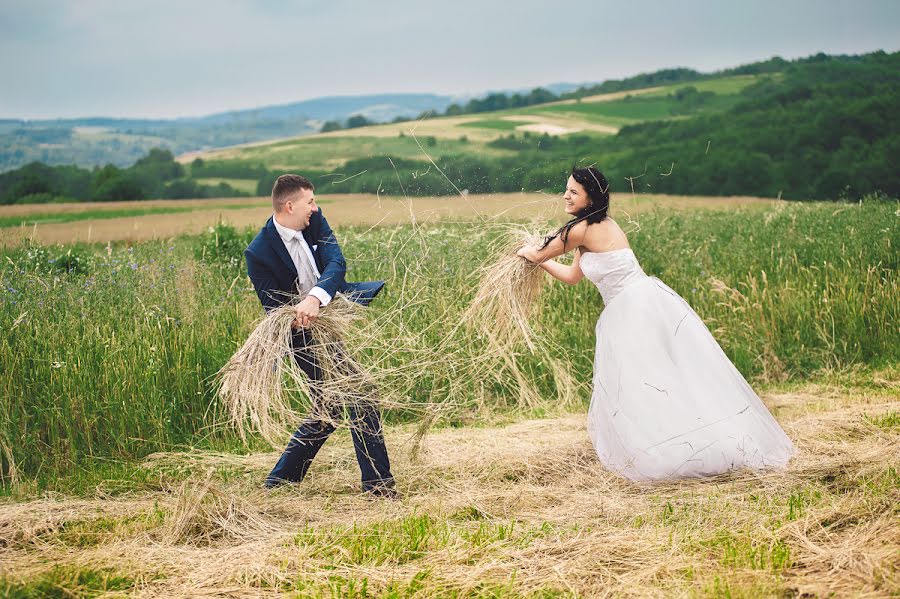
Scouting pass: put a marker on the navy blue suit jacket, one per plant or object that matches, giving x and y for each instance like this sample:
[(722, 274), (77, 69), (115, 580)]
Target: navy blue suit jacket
[(274, 275)]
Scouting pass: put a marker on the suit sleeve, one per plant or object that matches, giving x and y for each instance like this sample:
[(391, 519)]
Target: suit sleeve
[(264, 282), (334, 267)]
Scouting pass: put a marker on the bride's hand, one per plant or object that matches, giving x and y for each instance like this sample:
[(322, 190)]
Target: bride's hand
[(529, 252)]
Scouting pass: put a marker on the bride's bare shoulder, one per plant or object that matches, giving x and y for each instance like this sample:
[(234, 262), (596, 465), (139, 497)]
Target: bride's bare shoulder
[(605, 236)]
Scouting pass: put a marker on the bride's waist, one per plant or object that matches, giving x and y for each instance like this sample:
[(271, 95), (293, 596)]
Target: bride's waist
[(611, 289)]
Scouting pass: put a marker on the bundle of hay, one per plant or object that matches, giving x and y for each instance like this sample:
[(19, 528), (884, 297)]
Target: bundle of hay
[(507, 294), (204, 513), (257, 384)]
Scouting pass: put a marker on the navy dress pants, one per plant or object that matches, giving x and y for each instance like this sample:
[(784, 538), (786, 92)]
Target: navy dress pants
[(365, 427)]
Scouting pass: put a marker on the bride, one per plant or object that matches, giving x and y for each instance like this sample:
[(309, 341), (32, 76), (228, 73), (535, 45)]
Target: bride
[(667, 402)]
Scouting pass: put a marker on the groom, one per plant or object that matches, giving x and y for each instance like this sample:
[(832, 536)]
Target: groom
[(296, 253)]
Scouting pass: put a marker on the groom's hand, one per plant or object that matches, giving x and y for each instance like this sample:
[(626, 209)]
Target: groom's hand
[(307, 312)]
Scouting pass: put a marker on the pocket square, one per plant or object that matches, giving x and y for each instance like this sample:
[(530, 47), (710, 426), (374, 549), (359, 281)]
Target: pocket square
[(315, 247)]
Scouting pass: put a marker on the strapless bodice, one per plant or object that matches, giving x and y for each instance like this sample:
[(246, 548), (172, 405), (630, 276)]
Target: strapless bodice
[(611, 271)]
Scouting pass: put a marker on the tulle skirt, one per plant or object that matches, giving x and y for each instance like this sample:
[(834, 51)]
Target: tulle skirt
[(667, 402)]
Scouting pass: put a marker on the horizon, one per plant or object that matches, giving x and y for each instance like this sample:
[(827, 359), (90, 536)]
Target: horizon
[(163, 60), (456, 96)]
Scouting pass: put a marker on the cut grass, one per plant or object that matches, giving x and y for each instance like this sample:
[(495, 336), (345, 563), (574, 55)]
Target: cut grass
[(518, 510)]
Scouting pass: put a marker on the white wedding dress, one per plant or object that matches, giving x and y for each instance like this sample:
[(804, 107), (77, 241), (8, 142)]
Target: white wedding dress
[(667, 402)]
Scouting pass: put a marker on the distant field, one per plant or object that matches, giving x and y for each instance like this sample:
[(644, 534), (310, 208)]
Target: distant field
[(245, 185), (49, 217), (599, 115), (136, 221), (500, 124), (331, 151)]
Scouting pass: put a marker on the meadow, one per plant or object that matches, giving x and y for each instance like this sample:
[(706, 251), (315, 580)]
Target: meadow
[(119, 476)]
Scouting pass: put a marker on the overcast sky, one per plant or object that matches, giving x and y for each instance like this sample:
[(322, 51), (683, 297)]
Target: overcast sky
[(167, 58)]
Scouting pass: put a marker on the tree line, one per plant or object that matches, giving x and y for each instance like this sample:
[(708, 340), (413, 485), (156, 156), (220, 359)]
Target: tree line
[(156, 175), (825, 129)]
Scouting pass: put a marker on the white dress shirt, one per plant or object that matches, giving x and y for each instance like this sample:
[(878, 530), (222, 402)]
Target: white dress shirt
[(298, 249)]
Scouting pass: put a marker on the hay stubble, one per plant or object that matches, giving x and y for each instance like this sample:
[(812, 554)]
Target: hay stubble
[(522, 507)]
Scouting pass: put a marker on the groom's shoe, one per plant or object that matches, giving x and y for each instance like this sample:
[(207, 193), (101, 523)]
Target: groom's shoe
[(273, 482), (383, 489)]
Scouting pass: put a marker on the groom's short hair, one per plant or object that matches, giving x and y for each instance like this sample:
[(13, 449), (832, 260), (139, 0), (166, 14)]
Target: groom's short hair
[(285, 186)]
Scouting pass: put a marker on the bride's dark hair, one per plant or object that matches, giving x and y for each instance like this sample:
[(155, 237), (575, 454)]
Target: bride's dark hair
[(597, 188)]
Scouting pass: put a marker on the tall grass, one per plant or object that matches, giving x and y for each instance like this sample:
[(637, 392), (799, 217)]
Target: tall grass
[(108, 353)]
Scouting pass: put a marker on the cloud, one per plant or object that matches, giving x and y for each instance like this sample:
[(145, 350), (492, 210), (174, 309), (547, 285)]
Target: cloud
[(168, 58)]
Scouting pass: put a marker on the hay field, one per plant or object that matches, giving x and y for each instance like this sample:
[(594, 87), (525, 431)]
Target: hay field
[(118, 477), (341, 210), (503, 510)]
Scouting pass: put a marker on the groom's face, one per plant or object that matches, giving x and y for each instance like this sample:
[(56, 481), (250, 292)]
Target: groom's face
[(300, 207)]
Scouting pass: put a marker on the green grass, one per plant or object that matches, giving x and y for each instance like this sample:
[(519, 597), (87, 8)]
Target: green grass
[(640, 107), (723, 86), (113, 360), (617, 112), (90, 533), (46, 218), (498, 124), (740, 551), (423, 582), (889, 421), (635, 109), (67, 581), (402, 541)]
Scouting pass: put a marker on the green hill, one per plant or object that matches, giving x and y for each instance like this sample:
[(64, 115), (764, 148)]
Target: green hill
[(820, 127)]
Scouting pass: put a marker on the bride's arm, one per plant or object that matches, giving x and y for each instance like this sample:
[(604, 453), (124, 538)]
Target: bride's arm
[(567, 274), (555, 248), (542, 256)]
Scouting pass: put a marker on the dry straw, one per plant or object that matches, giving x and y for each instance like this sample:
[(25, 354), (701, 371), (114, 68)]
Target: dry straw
[(204, 513), (507, 294), (261, 383), (264, 391), (832, 514)]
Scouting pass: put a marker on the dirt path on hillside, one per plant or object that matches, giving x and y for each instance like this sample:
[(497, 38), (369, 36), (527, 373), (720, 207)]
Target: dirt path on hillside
[(524, 507)]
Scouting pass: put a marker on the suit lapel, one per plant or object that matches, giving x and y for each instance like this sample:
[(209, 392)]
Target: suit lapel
[(310, 234), (276, 242)]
